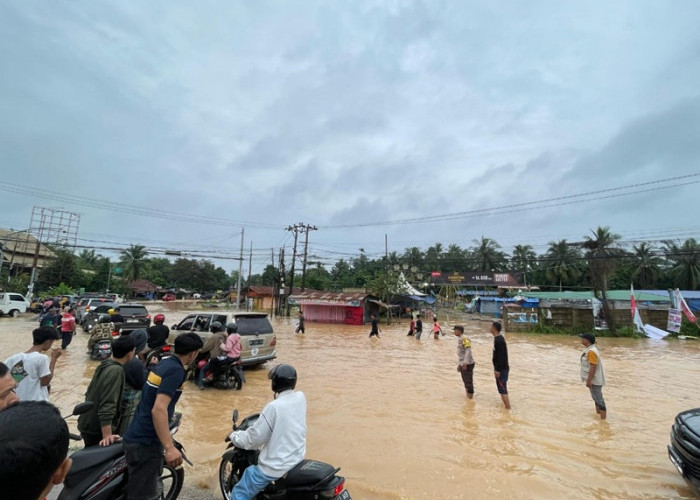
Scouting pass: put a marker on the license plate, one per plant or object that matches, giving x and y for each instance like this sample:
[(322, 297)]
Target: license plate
[(132, 321), (257, 342), (344, 496)]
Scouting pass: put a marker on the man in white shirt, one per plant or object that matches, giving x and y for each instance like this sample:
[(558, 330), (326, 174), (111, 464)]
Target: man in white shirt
[(33, 370), (281, 428)]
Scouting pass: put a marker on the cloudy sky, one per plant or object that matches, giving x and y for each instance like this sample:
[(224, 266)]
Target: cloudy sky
[(173, 124)]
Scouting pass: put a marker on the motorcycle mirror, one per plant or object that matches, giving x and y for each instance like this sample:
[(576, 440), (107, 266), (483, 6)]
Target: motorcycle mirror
[(83, 408), (235, 416), (174, 327)]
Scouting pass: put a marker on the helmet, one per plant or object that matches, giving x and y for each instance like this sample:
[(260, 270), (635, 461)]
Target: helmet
[(159, 318), (104, 318), (231, 328), (111, 311), (283, 377), (215, 327)]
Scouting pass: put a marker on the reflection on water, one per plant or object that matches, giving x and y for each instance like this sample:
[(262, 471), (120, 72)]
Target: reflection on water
[(393, 414)]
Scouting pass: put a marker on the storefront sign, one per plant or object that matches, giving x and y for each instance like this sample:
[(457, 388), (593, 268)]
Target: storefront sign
[(675, 317)]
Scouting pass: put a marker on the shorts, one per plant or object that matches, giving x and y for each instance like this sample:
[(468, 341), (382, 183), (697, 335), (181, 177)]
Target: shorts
[(144, 463), (502, 382)]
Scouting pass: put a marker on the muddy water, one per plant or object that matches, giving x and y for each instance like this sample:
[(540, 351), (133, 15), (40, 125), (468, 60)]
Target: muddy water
[(392, 413)]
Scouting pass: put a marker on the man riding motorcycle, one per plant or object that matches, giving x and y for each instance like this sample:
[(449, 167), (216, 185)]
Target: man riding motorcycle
[(209, 352), (102, 331), (281, 428)]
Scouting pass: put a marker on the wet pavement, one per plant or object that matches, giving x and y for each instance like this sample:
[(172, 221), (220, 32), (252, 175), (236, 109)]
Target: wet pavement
[(391, 412)]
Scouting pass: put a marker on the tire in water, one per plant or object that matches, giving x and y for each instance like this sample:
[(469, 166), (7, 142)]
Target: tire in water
[(227, 478)]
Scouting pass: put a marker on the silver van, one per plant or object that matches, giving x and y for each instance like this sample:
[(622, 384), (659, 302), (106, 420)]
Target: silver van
[(258, 341)]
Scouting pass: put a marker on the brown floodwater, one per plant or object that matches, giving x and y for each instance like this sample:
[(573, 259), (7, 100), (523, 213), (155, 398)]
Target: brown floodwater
[(393, 414)]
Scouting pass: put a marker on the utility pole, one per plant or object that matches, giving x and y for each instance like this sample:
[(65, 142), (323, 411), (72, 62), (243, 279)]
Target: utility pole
[(274, 285), (240, 270), (306, 230), (294, 228), (250, 270), (281, 293)]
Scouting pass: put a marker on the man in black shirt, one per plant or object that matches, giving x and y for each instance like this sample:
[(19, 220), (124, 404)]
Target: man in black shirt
[(375, 327), (500, 362), (158, 333), (419, 327)]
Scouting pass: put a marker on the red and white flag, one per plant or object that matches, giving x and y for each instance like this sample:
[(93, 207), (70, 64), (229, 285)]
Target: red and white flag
[(684, 307), (633, 301)]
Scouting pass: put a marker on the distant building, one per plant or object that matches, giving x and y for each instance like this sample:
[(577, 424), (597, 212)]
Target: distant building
[(18, 250), (337, 307)]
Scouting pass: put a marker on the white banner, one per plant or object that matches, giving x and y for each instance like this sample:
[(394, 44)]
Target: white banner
[(599, 322), (675, 316)]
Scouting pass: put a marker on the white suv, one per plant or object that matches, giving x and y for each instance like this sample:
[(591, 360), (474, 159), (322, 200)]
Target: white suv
[(13, 304)]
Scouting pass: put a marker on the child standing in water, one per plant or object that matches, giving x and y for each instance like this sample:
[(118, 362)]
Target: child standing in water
[(436, 328), (411, 327), (375, 327), (500, 363)]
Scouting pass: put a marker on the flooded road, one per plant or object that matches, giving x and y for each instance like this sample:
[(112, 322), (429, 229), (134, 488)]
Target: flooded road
[(393, 414)]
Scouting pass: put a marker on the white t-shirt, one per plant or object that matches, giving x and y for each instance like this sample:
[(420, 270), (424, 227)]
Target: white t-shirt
[(27, 370)]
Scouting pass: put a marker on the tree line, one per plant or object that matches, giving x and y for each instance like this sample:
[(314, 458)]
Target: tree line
[(600, 261)]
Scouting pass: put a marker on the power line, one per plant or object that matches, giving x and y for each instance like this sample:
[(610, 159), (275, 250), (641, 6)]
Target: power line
[(126, 208), (533, 205)]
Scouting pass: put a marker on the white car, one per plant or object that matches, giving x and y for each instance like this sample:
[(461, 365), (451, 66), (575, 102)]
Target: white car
[(13, 304)]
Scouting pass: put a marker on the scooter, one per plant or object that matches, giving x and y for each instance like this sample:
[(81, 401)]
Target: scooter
[(159, 353), (101, 350), (100, 472), (230, 376), (309, 479)]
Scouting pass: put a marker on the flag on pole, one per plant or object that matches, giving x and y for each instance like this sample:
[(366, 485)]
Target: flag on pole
[(636, 318), (684, 307)]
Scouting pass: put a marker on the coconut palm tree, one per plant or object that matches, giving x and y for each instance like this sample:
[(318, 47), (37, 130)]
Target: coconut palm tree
[(487, 255), (686, 263), (133, 261), (523, 259), (603, 256), (562, 262), (89, 258), (645, 265)]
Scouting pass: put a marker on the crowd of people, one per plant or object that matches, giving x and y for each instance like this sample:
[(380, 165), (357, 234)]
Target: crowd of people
[(133, 402)]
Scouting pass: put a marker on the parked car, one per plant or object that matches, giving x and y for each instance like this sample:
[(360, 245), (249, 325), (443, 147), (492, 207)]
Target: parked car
[(90, 317), (169, 297), (258, 341), (13, 304), (684, 450), (86, 303), (135, 316)]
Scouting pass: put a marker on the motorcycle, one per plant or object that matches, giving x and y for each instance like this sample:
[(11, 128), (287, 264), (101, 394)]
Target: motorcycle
[(100, 472), (230, 375), (310, 479), (159, 353), (101, 350)]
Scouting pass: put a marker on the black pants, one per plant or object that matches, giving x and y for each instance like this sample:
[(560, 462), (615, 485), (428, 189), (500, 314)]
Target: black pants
[(468, 378), (144, 464), (67, 339), (90, 439)]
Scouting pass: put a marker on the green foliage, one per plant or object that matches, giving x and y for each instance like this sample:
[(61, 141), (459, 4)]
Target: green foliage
[(62, 268), (133, 262), (18, 284), (61, 289)]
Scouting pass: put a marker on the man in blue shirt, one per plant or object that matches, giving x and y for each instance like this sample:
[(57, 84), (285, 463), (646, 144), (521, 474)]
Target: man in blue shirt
[(149, 433)]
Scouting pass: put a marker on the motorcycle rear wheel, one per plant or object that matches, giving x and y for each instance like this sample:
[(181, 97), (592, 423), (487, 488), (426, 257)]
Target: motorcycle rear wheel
[(172, 480)]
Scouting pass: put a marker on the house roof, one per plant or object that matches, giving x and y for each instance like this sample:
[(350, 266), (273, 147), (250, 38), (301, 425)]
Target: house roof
[(143, 286), (612, 295), (20, 246), (316, 297)]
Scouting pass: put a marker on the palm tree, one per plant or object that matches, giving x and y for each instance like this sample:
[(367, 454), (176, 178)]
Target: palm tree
[(562, 262), (433, 256), (602, 257), (133, 260), (89, 258), (523, 259), (487, 255), (645, 265), (686, 263)]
